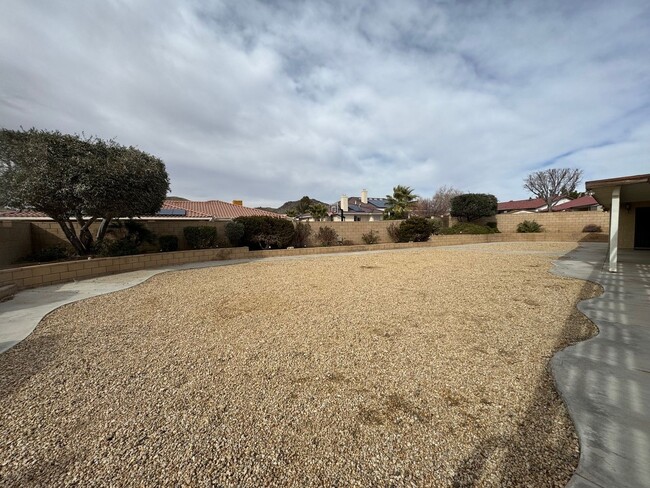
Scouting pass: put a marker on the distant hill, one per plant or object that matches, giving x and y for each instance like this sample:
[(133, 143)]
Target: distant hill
[(286, 206), (172, 197)]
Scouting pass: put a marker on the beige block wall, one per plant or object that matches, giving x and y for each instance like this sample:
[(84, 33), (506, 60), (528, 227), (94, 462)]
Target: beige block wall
[(46, 233), (553, 222), (15, 241), (56, 273), (352, 231)]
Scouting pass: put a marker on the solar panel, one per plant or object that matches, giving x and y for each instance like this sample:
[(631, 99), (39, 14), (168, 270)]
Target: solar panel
[(172, 211), (355, 208), (377, 202)]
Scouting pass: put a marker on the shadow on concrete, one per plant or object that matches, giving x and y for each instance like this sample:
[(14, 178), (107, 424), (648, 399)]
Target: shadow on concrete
[(537, 452)]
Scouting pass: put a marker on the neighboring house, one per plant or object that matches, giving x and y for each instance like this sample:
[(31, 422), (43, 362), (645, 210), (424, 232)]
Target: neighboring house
[(211, 210), (628, 201), (530, 205), (358, 209), (580, 204)]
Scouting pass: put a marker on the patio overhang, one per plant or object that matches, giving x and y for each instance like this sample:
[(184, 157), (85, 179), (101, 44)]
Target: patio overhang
[(614, 194)]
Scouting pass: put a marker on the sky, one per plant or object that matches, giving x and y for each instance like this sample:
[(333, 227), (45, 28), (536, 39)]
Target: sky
[(269, 101)]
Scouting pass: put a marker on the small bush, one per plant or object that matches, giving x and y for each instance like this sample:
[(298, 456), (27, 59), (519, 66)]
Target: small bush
[(235, 232), (529, 226), (200, 237), (49, 254), (261, 232), (468, 228), (327, 236), (346, 242), (301, 235), (417, 229), (117, 247), (592, 228), (393, 232), (168, 243), (493, 226), (371, 237)]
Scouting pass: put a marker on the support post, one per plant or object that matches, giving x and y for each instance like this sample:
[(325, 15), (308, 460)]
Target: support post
[(614, 214)]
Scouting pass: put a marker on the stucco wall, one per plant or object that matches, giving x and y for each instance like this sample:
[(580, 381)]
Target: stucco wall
[(15, 241), (626, 224)]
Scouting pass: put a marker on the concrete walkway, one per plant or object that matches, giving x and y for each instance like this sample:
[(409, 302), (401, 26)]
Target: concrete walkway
[(605, 381)]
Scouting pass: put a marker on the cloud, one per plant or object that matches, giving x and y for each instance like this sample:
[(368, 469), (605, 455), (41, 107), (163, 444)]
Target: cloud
[(269, 101)]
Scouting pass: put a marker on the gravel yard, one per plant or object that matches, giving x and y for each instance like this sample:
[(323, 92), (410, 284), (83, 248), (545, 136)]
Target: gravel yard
[(426, 367)]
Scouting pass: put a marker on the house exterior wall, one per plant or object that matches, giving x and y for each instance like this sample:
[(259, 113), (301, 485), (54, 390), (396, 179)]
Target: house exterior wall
[(626, 224), (15, 241)]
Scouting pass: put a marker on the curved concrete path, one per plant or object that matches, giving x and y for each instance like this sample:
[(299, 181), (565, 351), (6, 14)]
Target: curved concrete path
[(605, 381)]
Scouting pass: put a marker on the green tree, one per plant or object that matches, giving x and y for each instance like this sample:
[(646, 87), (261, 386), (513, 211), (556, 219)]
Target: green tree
[(473, 206), (400, 203), (318, 211), (81, 180)]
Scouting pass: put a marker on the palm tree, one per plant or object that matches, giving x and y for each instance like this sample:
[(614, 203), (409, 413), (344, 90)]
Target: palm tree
[(400, 203), (318, 211)]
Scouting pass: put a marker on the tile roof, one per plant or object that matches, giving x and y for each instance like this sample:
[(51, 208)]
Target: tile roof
[(207, 210), (215, 209), (529, 204), (586, 201)]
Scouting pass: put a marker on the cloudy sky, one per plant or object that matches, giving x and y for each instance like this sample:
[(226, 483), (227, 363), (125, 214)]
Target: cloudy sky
[(269, 101)]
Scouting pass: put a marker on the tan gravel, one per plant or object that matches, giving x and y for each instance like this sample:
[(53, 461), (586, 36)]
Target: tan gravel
[(419, 368)]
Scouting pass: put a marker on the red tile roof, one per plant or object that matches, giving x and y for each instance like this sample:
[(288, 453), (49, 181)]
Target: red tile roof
[(211, 209), (586, 201), (529, 204), (215, 209)]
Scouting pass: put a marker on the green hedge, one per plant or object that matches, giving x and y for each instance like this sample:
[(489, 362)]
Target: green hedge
[(266, 232), (200, 237)]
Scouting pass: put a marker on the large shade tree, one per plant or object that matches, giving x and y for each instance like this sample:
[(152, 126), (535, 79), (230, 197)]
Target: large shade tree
[(473, 206), (439, 204), (400, 203), (553, 183), (78, 181)]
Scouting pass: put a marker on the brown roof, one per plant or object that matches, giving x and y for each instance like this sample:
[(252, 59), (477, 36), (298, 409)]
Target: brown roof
[(586, 201), (623, 180), (215, 209), (212, 209), (529, 204)]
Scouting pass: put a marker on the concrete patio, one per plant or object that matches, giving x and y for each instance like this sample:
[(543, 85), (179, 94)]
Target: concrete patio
[(605, 381)]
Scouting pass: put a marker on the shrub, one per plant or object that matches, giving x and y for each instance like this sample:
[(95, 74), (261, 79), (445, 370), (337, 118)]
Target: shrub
[(472, 206), (301, 234), (393, 232), (592, 228), (261, 232), (493, 226), (528, 226), (417, 229), (468, 228), (371, 237), (200, 237), (168, 243), (327, 236), (346, 242), (49, 254), (235, 232), (117, 247)]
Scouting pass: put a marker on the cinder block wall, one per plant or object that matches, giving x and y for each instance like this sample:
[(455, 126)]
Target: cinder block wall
[(46, 233), (15, 241), (352, 231), (553, 222)]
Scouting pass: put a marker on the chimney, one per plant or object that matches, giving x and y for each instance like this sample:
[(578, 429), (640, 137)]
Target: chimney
[(239, 203), (344, 203), (364, 196)]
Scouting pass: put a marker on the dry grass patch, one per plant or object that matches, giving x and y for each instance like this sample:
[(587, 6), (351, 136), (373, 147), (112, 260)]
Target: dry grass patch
[(427, 367)]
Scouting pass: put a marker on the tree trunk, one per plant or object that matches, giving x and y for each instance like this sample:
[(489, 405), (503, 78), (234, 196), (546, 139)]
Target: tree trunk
[(68, 230), (103, 227), (85, 236)]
